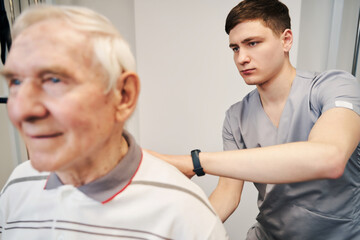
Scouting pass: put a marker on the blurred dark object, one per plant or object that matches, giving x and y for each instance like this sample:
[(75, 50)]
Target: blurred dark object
[(3, 100), (5, 36)]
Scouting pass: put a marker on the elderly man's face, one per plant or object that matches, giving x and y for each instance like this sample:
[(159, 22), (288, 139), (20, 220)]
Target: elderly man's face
[(57, 98)]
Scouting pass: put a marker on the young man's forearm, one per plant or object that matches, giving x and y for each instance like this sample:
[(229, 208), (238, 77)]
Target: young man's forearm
[(226, 197)]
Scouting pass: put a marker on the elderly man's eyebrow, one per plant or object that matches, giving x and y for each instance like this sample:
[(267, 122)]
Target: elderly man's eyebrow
[(6, 73), (40, 72), (54, 70)]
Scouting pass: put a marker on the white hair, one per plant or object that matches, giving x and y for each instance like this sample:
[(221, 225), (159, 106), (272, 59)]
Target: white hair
[(110, 49)]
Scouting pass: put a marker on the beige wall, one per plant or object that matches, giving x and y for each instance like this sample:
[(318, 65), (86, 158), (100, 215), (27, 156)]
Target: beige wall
[(7, 156)]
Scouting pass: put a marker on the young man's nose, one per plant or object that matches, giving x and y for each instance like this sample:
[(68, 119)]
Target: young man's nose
[(242, 57)]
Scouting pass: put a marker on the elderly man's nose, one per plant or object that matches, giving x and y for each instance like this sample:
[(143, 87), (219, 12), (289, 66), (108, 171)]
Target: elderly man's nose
[(26, 104)]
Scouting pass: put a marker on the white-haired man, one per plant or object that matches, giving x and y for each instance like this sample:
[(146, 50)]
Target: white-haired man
[(72, 86)]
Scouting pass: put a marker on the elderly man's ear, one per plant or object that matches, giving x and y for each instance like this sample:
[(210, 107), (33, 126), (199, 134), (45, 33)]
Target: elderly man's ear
[(127, 91)]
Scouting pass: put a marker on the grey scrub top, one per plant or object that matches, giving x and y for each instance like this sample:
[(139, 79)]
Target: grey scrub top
[(320, 209)]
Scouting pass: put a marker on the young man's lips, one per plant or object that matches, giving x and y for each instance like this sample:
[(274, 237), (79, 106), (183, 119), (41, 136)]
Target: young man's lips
[(248, 71)]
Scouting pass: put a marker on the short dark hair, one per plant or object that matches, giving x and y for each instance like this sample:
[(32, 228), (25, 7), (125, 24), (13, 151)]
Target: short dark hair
[(273, 13)]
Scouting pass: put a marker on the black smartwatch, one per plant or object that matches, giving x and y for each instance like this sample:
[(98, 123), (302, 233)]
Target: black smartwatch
[(196, 162)]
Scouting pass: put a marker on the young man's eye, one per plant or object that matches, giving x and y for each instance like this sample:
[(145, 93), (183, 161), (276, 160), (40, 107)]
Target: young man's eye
[(235, 49), (252, 44)]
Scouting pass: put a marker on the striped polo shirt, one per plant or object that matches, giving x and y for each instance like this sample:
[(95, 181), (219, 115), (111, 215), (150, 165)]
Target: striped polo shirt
[(141, 198)]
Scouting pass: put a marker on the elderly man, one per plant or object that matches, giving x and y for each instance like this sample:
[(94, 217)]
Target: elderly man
[(72, 87)]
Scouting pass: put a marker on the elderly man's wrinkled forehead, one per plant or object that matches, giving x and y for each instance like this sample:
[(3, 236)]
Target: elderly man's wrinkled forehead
[(49, 34)]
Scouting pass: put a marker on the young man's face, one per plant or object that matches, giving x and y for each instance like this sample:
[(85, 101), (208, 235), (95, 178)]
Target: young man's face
[(57, 97), (259, 54)]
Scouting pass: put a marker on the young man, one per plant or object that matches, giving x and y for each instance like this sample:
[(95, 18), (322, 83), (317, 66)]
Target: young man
[(72, 87), (298, 133)]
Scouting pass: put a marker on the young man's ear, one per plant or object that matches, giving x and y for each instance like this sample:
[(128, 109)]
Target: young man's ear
[(128, 89), (287, 39)]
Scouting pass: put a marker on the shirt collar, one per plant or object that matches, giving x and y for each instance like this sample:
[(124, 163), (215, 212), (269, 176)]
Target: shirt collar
[(107, 187)]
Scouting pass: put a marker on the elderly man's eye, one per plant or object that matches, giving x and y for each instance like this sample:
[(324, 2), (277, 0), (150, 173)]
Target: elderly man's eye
[(14, 82), (54, 80)]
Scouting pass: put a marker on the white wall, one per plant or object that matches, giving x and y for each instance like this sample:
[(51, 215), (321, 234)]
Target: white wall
[(189, 80), (314, 34), (348, 32), (327, 34)]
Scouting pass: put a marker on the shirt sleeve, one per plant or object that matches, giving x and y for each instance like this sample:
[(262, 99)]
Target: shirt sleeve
[(332, 89), (230, 142)]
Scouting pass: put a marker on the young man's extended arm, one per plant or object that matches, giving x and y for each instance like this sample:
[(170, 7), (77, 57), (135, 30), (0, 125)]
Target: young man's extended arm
[(331, 142)]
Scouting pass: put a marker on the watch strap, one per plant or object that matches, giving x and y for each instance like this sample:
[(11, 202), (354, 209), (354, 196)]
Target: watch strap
[(196, 162)]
